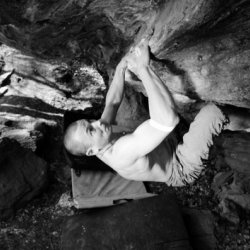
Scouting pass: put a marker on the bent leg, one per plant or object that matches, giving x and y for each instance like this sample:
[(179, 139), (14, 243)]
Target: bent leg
[(197, 141)]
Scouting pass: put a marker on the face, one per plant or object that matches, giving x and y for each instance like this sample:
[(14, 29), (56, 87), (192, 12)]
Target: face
[(93, 133)]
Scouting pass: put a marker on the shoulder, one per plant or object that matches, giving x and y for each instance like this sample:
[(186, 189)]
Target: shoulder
[(120, 152), (118, 155)]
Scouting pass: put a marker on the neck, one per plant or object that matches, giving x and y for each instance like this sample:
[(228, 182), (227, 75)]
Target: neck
[(116, 136), (119, 129), (113, 138)]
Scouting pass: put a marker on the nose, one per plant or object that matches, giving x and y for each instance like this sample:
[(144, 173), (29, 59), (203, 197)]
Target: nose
[(97, 124)]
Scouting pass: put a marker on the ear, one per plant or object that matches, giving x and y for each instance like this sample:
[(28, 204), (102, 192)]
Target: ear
[(91, 151)]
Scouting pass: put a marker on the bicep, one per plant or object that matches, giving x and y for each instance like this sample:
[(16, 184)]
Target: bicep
[(144, 140)]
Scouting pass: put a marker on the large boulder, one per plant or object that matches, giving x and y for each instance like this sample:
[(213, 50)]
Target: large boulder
[(152, 223), (34, 96), (23, 175), (27, 138), (57, 86), (200, 42), (231, 185)]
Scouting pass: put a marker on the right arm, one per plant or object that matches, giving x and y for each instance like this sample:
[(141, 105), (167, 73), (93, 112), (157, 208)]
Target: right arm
[(161, 107), (161, 104)]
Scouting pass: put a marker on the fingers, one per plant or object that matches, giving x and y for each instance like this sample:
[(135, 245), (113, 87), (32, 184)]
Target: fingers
[(148, 34), (142, 46), (130, 62), (139, 54), (137, 51), (131, 50), (144, 43)]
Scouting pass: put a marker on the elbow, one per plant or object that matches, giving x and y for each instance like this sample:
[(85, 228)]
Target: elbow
[(175, 119), (169, 119), (113, 103)]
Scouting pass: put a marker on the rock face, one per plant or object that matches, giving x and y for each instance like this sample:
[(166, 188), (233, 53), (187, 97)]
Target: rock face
[(35, 95), (22, 176), (56, 84), (232, 187), (200, 49), (27, 138), (205, 43)]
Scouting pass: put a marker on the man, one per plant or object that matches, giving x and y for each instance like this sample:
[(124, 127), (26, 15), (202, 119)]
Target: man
[(151, 152)]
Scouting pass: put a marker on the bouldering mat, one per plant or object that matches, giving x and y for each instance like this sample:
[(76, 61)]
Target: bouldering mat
[(154, 223), (95, 188)]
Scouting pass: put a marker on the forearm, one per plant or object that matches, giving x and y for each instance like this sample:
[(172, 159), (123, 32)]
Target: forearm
[(116, 89), (161, 104), (114, 95)]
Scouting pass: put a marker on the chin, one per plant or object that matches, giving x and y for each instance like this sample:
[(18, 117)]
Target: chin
[(108, 138), (108, 133)]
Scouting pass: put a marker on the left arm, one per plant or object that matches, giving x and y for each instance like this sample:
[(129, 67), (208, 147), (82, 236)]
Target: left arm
[(115, 94)]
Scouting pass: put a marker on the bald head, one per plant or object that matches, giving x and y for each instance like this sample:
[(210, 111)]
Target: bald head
[(87, 137), (73, 141)]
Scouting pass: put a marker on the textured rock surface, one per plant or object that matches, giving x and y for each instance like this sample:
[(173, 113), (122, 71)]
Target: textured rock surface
[(153, 223), (56, 84), (22, 176), (200, 228), (27, 138), (204, 42), (232, 187), (37, 94), (200, 49)]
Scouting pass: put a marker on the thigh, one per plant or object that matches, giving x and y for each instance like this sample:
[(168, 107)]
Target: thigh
[(197, 141)]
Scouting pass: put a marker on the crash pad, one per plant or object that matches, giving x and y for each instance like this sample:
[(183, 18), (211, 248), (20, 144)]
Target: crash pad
[(93, 188)]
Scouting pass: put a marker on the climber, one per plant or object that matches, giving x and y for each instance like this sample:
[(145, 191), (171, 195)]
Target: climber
[(152, 152)]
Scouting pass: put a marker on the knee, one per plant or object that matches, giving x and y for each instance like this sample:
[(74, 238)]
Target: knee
[(210, 107)]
